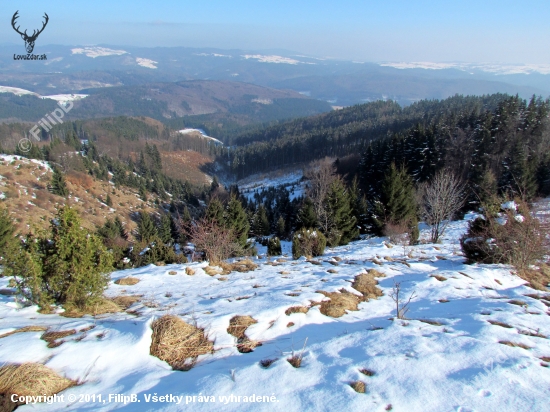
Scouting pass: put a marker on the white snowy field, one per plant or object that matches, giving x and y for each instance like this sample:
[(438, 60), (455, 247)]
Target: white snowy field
[(458, 365)]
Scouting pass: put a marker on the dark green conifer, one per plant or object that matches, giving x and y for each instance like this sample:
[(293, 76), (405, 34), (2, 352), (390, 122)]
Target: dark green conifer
[(342, 222), (146, 227), (57, 184)]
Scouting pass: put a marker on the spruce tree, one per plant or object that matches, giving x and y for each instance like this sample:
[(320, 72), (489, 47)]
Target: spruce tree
[(342, 222), (261, 222), (7, 232), (236, 219), (396, 204), (57, 184), (146, 227), (306, 215), (215, 211), (165, 229), (108, 200), (280, 228)]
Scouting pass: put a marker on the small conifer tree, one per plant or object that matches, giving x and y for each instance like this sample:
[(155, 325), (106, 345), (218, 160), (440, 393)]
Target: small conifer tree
[(58, 186)]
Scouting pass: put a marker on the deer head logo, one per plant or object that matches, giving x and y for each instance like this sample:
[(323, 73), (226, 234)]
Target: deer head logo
[(29, 40)]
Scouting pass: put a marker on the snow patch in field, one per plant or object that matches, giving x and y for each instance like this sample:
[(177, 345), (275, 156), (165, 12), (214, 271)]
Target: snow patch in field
[(95, 51), (150, 64)]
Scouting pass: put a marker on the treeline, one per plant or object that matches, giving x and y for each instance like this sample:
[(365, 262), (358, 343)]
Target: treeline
[(347, 131)]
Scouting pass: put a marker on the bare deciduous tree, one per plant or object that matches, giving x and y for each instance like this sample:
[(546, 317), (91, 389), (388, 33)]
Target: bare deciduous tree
[(401, 307), (441, 199), (217, 242), (321, 174)]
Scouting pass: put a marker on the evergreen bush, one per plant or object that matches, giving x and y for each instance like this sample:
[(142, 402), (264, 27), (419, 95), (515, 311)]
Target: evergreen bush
[(308, 243), (274, 247)]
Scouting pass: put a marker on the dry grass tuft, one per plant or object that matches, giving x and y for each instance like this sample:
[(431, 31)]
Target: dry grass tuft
[(517, 302), (178, 343), (213, 270), (545, 358), (237, 327), (538, 279), (367, 372), (127, 281), (431, 322), (242, 266), (172, 272), (332, 271), (295, 360), (296, 309), (126, 301), (239, 324), (514, 344), (536, 334), (439, 277), (102, 306), (52, 337), (443, 301), (30, 379), (502, 324), (366, 284), (358, 386), (25, 329), (266, 363), (189, 271), (339, 303), (290, 324)]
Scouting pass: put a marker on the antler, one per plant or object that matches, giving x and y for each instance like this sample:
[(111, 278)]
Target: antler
[(34, 35), (13, 19)]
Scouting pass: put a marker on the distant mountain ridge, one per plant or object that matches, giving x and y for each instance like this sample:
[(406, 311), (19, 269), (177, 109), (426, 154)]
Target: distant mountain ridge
[(72, 69)]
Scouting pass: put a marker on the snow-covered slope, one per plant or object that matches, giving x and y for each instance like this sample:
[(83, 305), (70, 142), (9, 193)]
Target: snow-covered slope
[(445, 357)]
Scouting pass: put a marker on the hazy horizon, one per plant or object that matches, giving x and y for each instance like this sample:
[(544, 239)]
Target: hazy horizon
[(396, 31)]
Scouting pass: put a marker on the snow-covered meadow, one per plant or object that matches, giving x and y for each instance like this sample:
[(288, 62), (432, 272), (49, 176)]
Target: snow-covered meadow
[(445, 357)]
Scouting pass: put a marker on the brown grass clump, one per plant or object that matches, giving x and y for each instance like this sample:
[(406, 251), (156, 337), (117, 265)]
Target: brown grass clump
[(189, 271), (517, 302), (178, 343), (367, 372), (212, 270), (55, 339), (127, 281), (290, 324), (237, 327), (439, 277), (332, 271), (502, 324), (545, 358), (266, 363), (242, 266), (538, 279), (514, 344), (25, 329), (101, 307), (29, 379), (296, 309), (358, 386), (339, 303), (295, 361), (366, 284), (126, 301)]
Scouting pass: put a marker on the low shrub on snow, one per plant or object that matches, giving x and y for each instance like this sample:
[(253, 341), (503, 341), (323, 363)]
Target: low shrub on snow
[(308, 243), (512, 237)]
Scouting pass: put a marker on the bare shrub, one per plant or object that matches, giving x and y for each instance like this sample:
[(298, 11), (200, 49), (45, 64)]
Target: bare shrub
[(178, 343), (401, 305), (321, 174), (514, 238), (217, 242), (442, 198), (398, 233)]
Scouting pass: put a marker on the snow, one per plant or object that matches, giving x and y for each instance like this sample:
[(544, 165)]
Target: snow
[(459, 365), (202, 133), (150, 64), (498, 69), (271, 59), (95, 51), (61, 98)]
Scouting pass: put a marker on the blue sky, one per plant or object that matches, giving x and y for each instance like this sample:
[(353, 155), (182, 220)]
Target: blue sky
[(367, 30)]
